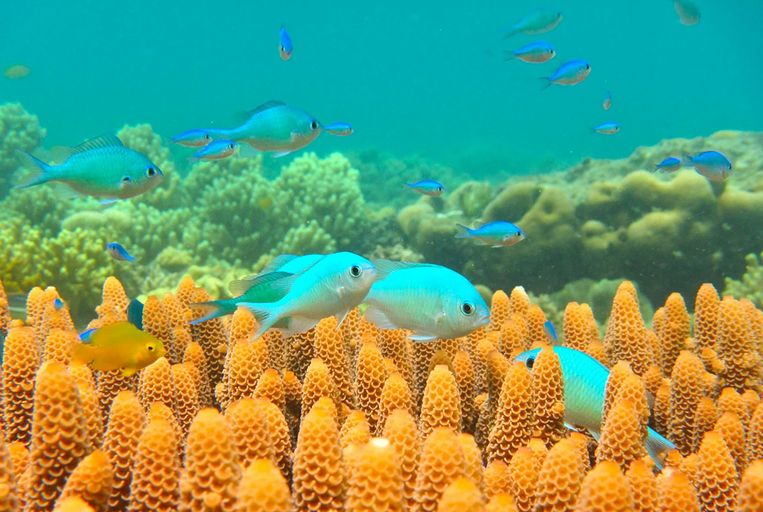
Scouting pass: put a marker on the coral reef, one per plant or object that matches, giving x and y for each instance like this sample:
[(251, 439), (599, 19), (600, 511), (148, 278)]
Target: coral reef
[(19, 131), (162, 450)]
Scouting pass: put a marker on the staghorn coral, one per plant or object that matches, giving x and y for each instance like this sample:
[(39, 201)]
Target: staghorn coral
[(604, 489), (441, 463), (400, 428), (440, 406), (461, 496), (685, 394), (157, 468), (262, 489), (513, 425), (716, 478), (548, 397), (643, 486), (375, 482), (524, 470), (8, 496), (560, 478), (249, 426), (91, 480), (750, 496), (370, 381), (126, 420), (20, 360)]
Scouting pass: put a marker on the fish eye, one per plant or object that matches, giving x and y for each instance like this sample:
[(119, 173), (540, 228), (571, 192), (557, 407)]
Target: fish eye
[(150, 348), (206, 136), (126, 179), (517, 234), (439, 189), (231, 146), (355, 271), (467, 309), (530, 362), (150, 172), (314, 125), (588, 66)]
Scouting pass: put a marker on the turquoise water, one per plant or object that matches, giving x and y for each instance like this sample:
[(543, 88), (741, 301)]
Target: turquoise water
[(412, 77)]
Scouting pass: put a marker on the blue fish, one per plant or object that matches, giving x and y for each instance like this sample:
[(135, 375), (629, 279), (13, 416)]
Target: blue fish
[(58, 303), (216, 150), (713, 165), (606, 103), (285, 47), (427, 187), (670, 164), (339, 128), (608, 128), (585, 380), (534, 53), (548, 326), (195, 138), (118, 252), (498, 233), (570, 73), (535, 23), (135, 313)]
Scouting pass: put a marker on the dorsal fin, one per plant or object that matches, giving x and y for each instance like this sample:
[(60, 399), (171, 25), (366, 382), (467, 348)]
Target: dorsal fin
[(278, 262), (276, 282), (104, 141), (386, 267), (266, 106)]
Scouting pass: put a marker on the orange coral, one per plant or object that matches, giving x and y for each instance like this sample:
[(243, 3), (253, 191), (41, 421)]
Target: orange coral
[(560, 477), (617, 375), (642, 485), (113, 299), (497, 478), (270, 387), (8, 498), (502, 502), (276, 348), (211, 335), (370, 381), (707, 306), (91, 407), (536, 319), (463, 370), (735, 346), (750, 497), (329, 346), (515, 336), (732, 430), (59, 345), (280, 437), (575, 327), (355, 430), (472, 459), (186, 402), (548, 397), (263, 489), (441, 463), (195, 355), (662, 406), (186, 290), (755, 434), (73, 504), (394, 344), (5, 312), (514, 419), (318, 475), (59, 436), (157, 469), (155, 322), (621, 438), (126, 420), (300, 352), (731, 401), (605, 489), (440, 406), (686, 390), (156, 384), (633, 389), (375, 481), (318, 383), (626, 339), (211, 473), (461, 496), (705, 417), (716, 478), (402, 433), (519, 302), (91, 480), (242, 325), (674, 332), (20, 360), (524, 470), (249, 427), (499, 310), (395, 395)]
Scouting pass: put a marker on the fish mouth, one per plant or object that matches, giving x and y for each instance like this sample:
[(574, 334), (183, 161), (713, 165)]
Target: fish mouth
[(483, 320)]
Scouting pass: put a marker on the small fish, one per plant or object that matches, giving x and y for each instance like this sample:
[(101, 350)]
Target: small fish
[(427, 187), (58, 303), (430, 300), (16, 72), (688, 12), (265, 202), (535, 23), (608, 128), (499, 233), (339, 128), (606, 104), (102, 167), (713, 165), (585, 380), (670, 164), (570, 73), (216, 150), (193, 138), (548, 326), (332, 286), (274, 127), (118, 346), (118, 252), (259, 288), (135, 313), (534, 53), (285, 46)]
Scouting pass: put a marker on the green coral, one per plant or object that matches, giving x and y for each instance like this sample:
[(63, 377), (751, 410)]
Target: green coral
[(19, 131), (750, 284)]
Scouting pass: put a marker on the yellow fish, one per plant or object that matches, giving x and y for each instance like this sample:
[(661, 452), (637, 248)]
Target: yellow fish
[(17, 71), (119, 346)]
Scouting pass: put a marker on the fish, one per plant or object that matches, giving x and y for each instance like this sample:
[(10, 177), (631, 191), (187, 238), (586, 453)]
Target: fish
[(548, 326), (427, 187), (274, 127), (670, 164), (216, 150), (534, 53), (498, 233), (688, 12), (430, 300), (585, 380), (257, 288), (608, 128), (606, 104), (16, 72), (135, 313), (118, 346), (58, 304), (118, 252), (570, 73), (195, 138), (536, 22), (339, 128), (332, 286), (102, 167), (285, 46), (713, 165)]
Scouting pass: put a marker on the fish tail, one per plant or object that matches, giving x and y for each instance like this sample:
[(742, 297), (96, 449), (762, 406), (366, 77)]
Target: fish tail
[(547, 84), (657, 447), (509, 55), (465, 231), (43, 171), (219, 308)]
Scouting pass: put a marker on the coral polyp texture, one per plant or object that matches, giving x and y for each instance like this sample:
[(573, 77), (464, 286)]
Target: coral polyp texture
[(379, 423)]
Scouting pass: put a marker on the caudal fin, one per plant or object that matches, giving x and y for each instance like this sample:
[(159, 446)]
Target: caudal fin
[(657, 447), (465, 231), (218, 308), (43, 171)]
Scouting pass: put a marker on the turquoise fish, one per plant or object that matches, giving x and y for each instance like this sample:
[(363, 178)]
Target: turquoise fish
[(118, 252), (195, 138), (670, 164), (713, 165), (606, 103), (499, 233), (103, 168), (332, 286), (570, 73), (427, 187), (585, 380), (534, 53), (430, 300), (216, 150), (535, 23), (340, 129), (607, 128), (285, 46)]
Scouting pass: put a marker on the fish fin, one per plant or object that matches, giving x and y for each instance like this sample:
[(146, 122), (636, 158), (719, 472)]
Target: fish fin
[(657, 446), (108, 202), (246, 150), (43, 171), (385, 267), (422, 337), (465, 231), (340, 317), (509, 55), (548, 83), (82, 353), (128, 372), (297, 325), (266, 106), (85, 336), (278, 262), (267, 314), (219, 308), (379, 318), (135, 313), (279, 154), (278, 283), (103, 141)]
